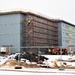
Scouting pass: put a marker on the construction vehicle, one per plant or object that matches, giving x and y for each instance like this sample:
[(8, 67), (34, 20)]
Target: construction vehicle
[(58, 51)]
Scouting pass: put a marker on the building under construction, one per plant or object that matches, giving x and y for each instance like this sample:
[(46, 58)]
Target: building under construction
[(20, 29), (38, 31)]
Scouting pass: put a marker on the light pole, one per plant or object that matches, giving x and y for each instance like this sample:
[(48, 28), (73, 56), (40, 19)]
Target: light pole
[(61, 68)]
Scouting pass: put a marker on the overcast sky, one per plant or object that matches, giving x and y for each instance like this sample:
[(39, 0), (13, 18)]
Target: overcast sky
[(61, 9)]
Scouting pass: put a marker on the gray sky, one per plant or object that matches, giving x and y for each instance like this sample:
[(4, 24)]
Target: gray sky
[(61, 9)]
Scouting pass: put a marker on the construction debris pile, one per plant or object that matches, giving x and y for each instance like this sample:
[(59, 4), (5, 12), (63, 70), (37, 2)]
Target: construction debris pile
[(14, 63), (68, 63), (28, 60), (21, 59)]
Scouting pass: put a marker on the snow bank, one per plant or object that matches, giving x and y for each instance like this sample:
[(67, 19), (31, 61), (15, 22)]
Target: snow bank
[(4, 59)]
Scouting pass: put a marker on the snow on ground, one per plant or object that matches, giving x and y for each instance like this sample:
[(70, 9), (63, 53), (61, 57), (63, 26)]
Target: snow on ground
[(4, 59), (37, 71), (63, 57), (53, 57)]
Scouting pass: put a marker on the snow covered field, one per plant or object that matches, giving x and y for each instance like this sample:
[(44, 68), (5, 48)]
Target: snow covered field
[(36, 71), (53, 57)]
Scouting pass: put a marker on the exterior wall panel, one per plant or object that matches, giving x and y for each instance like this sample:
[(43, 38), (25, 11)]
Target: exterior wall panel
[(10, 31), (66, 34)]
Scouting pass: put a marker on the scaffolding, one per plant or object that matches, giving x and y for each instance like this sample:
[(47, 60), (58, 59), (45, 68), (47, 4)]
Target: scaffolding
[(38, 31)]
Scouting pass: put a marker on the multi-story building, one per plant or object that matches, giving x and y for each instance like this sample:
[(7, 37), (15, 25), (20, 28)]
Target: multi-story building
[(66, 34), (20, 29)]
